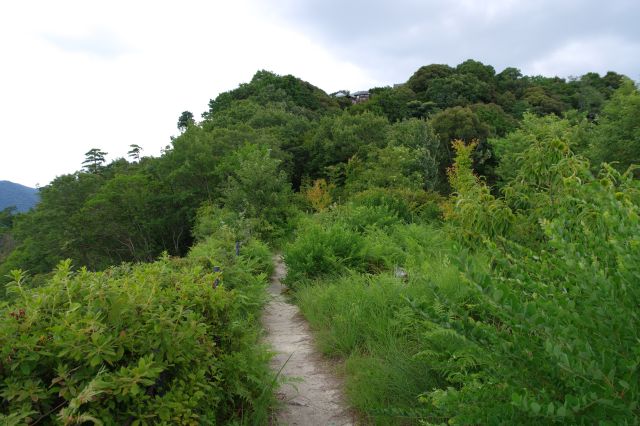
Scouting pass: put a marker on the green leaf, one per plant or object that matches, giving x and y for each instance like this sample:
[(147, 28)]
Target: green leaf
[(95, 360), (25, 368), (535, 407), (550, 409)]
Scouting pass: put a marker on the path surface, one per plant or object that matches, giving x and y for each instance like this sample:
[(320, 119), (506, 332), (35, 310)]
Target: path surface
[(315, 397)]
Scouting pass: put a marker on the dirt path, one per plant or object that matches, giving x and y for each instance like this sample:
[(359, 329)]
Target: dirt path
[(314, 397)]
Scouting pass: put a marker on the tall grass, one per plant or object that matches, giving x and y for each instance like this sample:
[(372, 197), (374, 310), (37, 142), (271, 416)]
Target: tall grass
[(371, 321)]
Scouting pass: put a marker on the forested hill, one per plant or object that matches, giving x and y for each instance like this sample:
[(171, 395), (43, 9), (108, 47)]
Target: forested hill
[(466, 244), (132, 209), (19, 196)]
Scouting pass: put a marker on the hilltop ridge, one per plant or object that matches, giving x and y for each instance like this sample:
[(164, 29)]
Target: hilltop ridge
[(20, 196)]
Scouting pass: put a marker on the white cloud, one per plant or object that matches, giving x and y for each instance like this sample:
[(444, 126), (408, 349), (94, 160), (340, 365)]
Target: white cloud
[(600, 54), (101, 43), (392, 40), (77, 76)]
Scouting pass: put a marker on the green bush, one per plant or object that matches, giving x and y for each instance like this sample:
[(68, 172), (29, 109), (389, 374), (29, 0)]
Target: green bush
[(350, 237), (318, 251), (356, 235), (550, 329), (138, 344), (408, 205), (361, 218)]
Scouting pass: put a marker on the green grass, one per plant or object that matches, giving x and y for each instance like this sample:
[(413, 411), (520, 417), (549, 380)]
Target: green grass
[(372, 322)]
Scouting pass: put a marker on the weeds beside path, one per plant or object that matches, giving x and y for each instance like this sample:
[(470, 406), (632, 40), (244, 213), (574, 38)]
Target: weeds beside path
[(311, 394)]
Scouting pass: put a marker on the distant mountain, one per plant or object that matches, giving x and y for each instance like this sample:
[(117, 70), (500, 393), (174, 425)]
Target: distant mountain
[(14, 194)]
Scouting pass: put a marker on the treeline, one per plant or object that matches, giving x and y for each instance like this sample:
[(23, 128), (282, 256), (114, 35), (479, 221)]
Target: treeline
[(276, 134)]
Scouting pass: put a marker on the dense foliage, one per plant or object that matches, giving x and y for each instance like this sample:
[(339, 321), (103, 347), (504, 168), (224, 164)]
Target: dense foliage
[(466, 244), (139, 344), (517, 309)]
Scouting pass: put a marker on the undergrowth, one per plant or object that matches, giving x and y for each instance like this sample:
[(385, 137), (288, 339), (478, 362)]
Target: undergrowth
[(169, 342), (519, 309)]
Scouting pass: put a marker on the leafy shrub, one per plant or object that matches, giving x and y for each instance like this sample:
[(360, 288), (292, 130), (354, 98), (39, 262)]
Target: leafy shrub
[(319, 251), (137, 344), (616, 139), (356, 237), (214, 220), (388, 167), (362, 218), (221, 232), (258, 192), (553, 323), (473, 209), (319, 195), (409, 205)]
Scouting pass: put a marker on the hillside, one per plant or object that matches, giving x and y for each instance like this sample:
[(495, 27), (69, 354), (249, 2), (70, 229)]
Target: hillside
[(466, 247), (20, 196)]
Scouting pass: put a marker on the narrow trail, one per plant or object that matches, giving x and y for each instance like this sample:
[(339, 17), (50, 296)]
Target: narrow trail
[(313, 396)]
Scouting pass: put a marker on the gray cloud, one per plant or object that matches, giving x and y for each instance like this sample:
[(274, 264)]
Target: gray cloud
[(393, 39), (100, 43)]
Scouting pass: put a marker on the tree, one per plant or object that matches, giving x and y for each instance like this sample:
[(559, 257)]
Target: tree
[(393, 102), (499, 122), (185, 120), (124, 220), (94, 159), (543, 102), (533, 130), (421, 79), (340, 137), (589, 100), (458, 123), (6, 218), (617, 135), (52, 230), (7, 243), (258, 190), (511, 80), (418, 109), (457, 90), (394, 166), (134, 153), (319, 195), (482, 72), (419, 136), (461, 123), (613, 80), (266, 87)]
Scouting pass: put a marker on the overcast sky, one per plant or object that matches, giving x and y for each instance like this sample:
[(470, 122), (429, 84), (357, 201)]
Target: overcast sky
[(81, 74)]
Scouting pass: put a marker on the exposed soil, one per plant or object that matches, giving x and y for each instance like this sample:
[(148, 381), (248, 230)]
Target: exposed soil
[(311, 393)]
